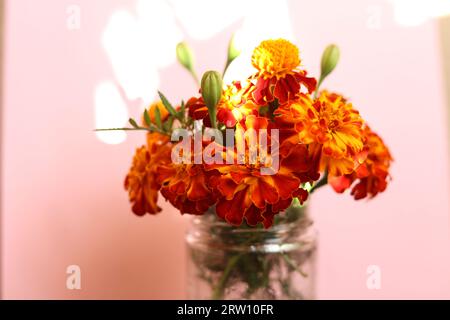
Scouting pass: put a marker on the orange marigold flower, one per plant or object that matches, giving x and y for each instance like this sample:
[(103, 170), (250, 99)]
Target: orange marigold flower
[(235, 104), (152, 109), (141, 180), (330, 125), (278, 75), (372, 173), (247, 193)]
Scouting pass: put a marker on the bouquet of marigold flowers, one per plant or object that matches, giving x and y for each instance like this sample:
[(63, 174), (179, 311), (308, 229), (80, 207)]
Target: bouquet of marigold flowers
[(251, 152)]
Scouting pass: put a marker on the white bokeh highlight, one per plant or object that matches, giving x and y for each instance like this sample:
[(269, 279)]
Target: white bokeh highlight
[(110, 112), (140, 44), (252, 32), (410, 13)]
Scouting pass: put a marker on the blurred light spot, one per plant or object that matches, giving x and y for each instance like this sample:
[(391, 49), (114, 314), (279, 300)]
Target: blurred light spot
[(252, 32), (138, 45), (202, 19), (110, 112), (410, 13), (141, 43), (134, 69), (159, 32)]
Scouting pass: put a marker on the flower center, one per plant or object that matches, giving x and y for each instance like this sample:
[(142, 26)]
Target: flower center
[(275, 58)]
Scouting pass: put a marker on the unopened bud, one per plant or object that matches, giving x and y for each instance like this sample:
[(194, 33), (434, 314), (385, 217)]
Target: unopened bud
[(185, 56), (211, 88), (233, 50), (330, 59), (212, 92)]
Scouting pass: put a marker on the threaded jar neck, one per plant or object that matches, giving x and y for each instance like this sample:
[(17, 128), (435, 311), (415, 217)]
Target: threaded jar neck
[(291, 229)]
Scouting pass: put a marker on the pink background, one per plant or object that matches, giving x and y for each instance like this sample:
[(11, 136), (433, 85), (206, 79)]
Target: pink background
[(63, 201)]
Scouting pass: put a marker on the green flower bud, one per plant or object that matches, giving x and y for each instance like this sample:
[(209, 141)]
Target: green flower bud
[(233, 51), (330, 58), (185, 56), (211, 85)]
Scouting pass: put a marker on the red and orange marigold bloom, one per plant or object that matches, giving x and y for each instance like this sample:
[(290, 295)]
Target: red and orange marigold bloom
[(330, 126), (198, 110), (278, 76), (141, 179), (247, 193), (187, 186), (372, 174)]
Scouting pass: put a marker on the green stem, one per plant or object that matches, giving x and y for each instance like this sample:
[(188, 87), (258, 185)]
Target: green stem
[(194, 75), (226, 68), (273, 106), (318, 86), (293, 265), (220, 289), (134, 129), (320, 183), (212, 118)]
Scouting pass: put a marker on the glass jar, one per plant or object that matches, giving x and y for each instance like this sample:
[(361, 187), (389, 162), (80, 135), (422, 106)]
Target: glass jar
[(227, 262)]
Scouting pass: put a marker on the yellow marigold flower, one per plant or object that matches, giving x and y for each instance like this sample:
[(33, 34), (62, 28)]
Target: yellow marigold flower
[(276, 58), (278, 77)]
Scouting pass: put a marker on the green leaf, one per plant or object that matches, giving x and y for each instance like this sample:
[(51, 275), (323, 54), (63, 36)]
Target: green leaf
[(167, 104), (158, 118), (133, 123), (147, 117), (182, 111), (167, 126), (119, 129)]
